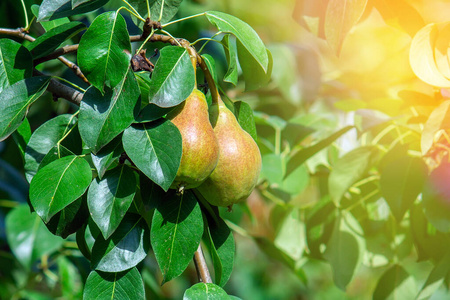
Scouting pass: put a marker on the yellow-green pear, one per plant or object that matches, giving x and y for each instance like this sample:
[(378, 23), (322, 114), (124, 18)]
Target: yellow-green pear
[(200, 147), (237, 171)]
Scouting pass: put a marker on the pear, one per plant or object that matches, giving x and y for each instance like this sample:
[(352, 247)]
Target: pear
[(200, 147), (237, 171)]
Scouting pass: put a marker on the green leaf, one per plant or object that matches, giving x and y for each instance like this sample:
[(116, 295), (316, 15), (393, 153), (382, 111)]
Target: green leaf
[(436, 195), (435, 279), (176, 231), (109, 198), (438, 119), (47, 25), (231, 55), (107, 155), (285, 73), (255, 77), (45, 138), (15, 101), (211, 64), (205, 291), (173, 78), (152, 112), (350, 168), (303, 155), (69, 219), (103, 117), (58, 184), (291, 237), (126, 285), (52, 39), (15, 63), (246, 36), (395, 283), (401, 181), (55, 153), (220, 243), (27, 236), (104, 51), (22, 136), (155, 148), (340, 18), (244, 115), (345, 249), (169, 10), (126, 247), (70, 279), (55, 9)]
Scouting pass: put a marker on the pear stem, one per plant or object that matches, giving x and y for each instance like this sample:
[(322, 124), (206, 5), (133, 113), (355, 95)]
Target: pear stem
[(201, 266)]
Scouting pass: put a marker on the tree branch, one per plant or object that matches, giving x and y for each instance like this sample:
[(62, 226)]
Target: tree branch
[(62, 90), (201, 266)]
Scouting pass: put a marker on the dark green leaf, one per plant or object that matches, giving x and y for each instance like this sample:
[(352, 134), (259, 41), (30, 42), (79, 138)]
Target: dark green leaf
[(69, 219), (55, 9), (304, 154), (211, 63), (152, 112), (107, 155), (169, 10), (255, 76), (44, 139), (15, 101), (350, 168), (28, 237), (345, 249), (104, 51), (231, 54), (47, 25), (244, 115), (156, 150), (103, 117), (220, 243), (436, 278), (109, 198), (177, 229), (245, 34), (205, 291), (173, 78), (58, 184), (76, 3), (126, 247), (15, 63), (401, 181), (126, 285), (55, 153), (22, 136), (395, 283), (52, 39)]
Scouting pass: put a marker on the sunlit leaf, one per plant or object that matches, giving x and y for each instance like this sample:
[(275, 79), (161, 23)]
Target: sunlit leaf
[(231, 54), (435, 279), (205, 291), (422, 59), (244, 115), (55, 9), (438, 119), (340, 17), (291, 235)]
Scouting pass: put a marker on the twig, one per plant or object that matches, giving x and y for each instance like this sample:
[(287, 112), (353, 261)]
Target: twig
[(62, 90), (19, 32), (201, 266)]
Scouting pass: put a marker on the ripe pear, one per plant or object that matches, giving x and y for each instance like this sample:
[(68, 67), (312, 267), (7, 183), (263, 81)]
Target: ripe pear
[(237, 171), (200, 147)]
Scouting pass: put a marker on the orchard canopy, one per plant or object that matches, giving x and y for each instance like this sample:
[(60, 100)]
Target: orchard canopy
[(200, 149)]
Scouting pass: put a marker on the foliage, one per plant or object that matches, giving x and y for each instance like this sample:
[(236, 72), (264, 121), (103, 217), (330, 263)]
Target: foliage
[(349, 107)]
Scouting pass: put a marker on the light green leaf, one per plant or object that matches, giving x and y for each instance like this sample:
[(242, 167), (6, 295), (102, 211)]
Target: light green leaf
[(244, 115), (58, 184), (176, 231), (291, 237), (435, 279), (438, 119), (15, 101), (27, 236), (231, 54), (394, 284), (126, 285), (104, 51), (47, 25), (173, 78), (205, 291)]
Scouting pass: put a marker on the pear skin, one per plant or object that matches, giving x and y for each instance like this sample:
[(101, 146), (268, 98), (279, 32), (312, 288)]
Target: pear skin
[(237, 171), (200, 146)]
